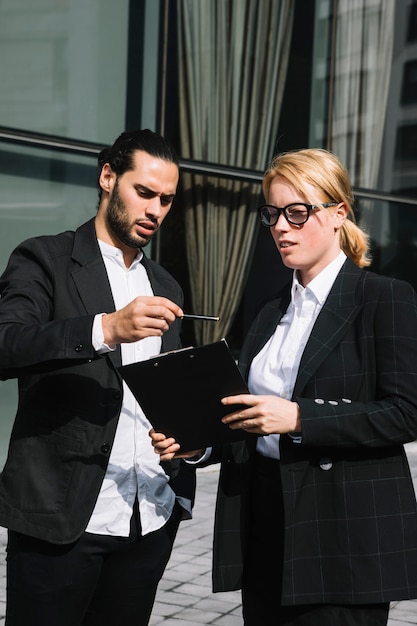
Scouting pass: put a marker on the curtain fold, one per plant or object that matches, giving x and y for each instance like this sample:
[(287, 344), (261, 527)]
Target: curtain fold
[(363, 59), (233, 57)]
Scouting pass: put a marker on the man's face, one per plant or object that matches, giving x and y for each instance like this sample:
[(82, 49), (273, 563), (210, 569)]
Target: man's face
[(140, 200)]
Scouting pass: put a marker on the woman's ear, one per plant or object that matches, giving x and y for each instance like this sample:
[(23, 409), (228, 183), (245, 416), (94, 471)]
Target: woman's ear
[(341, 214)]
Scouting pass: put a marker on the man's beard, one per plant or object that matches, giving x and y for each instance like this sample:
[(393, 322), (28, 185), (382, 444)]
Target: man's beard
[(118, 222)]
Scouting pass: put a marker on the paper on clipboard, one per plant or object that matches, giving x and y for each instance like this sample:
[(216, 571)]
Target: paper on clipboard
[(180, 393)]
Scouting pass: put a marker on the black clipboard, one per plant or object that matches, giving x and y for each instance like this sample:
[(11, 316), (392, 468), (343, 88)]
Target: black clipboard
[(180, 393)]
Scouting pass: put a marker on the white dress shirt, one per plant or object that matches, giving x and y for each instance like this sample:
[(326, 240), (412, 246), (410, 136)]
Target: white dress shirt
[(274, 369), (133, 467)]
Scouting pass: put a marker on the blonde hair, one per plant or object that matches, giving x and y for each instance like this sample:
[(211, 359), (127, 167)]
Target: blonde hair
[(324, 171)]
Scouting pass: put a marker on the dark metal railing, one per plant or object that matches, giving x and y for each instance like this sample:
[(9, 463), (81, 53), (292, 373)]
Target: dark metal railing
[(87, 148)]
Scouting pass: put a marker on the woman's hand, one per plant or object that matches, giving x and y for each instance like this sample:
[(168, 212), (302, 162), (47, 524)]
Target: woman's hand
[(264, 415), (168, 448)]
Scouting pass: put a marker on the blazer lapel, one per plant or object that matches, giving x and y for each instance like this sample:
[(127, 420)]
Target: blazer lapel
[(93, 286), (263, 327), (338, 313), (90, 278)]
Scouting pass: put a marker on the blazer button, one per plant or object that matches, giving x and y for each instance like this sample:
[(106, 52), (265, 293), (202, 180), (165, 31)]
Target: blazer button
[(326, 464), (105, 448)]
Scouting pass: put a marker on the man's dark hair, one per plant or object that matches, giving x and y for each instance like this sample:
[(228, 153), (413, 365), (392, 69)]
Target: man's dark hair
[(120, 154)]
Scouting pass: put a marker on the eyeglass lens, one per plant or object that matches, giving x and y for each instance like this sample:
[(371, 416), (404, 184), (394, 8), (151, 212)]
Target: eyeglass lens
[(295, 214)]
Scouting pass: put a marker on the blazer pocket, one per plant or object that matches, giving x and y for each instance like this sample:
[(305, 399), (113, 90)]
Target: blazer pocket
[(38, 472), (376, 471)]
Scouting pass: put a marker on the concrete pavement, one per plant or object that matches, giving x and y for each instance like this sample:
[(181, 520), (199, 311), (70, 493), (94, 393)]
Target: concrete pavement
[(184, 596)]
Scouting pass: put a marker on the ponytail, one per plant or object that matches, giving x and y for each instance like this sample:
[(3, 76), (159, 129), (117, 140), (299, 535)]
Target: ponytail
[(355, 243)]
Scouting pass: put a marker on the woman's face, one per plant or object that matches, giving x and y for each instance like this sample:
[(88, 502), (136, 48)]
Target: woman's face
[(310, 247)]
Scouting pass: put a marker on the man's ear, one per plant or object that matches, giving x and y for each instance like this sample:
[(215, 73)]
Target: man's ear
[(107, 178)]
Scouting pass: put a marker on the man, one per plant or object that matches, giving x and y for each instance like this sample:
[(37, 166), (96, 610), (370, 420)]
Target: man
[(91, 512)]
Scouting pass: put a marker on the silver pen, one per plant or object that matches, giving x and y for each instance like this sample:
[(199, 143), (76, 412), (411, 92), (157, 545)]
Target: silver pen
[(208, 318)]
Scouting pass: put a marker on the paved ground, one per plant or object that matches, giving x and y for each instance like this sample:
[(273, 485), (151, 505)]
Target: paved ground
[(184, 597)]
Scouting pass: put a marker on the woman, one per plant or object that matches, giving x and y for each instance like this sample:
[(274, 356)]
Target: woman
[(316, 518)]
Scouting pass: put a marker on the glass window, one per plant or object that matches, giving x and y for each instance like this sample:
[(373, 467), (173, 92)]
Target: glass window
[(406, 144), (393, 228), (66, 67), (409, 90), (43, 193), (412, 23)]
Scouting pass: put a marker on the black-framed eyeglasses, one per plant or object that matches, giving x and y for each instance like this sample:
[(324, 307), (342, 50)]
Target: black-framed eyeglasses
[(296, 213)]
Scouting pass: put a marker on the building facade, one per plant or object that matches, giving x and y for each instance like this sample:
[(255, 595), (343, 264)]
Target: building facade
[(229, 83)]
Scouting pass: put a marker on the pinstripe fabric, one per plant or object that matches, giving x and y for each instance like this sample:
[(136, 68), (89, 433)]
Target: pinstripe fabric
[(350, 509)]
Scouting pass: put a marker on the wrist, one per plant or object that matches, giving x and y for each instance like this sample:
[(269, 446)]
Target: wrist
[(297, 419), (107, 327)]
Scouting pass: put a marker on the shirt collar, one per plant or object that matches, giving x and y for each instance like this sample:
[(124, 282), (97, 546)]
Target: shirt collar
[(320, 286), (111, 252)]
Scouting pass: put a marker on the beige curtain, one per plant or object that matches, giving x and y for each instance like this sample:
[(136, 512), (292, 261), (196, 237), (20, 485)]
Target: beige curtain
[(363, 58), (233, 57)]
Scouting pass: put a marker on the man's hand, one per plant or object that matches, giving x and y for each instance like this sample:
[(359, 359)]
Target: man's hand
[(168, 448), (145, 316)]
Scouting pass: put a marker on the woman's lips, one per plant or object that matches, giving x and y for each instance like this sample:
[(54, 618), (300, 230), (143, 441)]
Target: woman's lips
[(285, 244)]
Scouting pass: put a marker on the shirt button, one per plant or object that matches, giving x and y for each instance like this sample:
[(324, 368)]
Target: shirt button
[(326, 464), (319, 401)]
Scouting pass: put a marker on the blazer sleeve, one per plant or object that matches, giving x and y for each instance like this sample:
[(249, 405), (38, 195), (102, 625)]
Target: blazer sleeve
[(34, 330), (365, 392)]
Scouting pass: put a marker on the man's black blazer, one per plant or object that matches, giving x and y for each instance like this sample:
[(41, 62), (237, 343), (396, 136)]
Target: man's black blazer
[(350, 508), (69, 396)]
